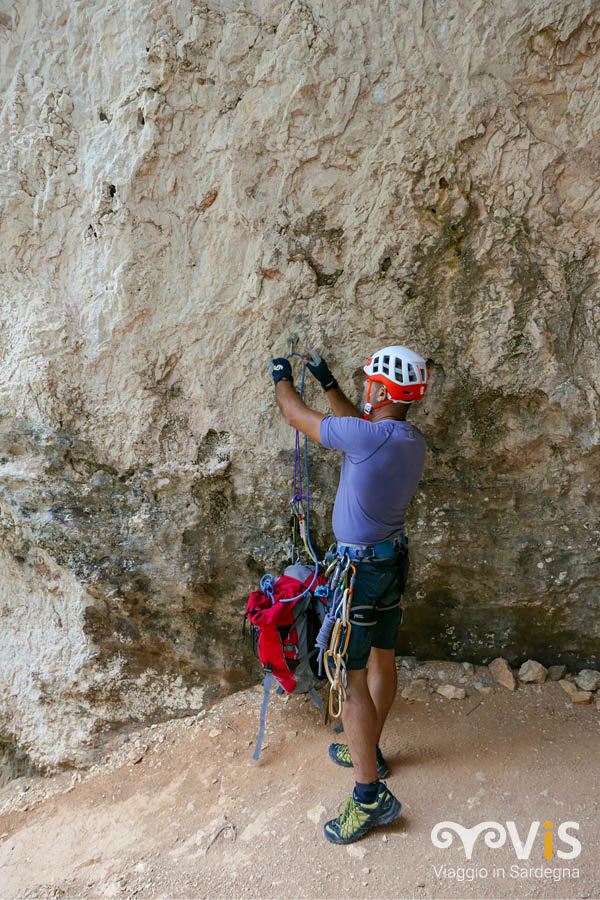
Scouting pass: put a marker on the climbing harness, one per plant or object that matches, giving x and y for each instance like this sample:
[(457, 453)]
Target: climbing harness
[(334, 636)]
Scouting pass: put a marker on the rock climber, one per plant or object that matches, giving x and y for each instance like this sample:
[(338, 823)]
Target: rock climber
[(383, 461)]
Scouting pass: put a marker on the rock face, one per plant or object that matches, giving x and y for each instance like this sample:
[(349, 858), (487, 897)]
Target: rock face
[(185, 185)]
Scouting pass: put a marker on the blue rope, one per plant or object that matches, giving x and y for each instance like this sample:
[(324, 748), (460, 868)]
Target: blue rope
[(266, 577), (267, 583)]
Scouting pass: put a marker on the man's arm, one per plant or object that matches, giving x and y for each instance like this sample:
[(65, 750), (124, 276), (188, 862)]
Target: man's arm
[(340, 405), (296, 413)]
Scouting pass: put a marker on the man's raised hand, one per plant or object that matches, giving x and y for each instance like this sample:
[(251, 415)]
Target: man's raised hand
[(319, 368), (280, 369)]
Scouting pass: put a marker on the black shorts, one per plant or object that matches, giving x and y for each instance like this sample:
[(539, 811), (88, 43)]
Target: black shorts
[(376, 611)]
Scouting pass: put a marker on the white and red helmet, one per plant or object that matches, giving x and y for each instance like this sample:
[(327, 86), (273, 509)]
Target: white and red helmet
[(402, 371)]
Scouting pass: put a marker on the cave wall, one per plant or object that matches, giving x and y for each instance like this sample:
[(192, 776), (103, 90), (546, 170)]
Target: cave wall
[(183, 185)]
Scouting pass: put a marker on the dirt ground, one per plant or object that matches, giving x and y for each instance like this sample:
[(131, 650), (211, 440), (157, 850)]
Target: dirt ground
[(180, 810)]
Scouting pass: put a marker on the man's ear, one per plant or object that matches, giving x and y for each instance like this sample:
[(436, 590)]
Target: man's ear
[(381, 393)]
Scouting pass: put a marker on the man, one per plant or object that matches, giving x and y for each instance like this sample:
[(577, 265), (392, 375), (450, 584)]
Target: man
[(383, 462)]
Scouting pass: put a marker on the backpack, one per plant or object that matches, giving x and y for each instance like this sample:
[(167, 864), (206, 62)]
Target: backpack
[(283, 632)]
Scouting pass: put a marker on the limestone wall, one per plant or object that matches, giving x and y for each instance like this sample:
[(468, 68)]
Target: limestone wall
[(182, 186)]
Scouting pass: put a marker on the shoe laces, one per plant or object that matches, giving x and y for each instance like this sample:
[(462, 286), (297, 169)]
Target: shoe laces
[(343, 752), (351, 816)]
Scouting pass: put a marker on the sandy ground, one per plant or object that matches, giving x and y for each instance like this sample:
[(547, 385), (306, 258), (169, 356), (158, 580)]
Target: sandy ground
[(182, 811)]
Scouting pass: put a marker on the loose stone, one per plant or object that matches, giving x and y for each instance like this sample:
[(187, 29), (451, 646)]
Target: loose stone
[(502, 673), (531, 670)]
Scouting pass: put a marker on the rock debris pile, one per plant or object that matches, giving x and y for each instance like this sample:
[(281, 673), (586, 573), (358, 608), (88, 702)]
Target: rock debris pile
[(580, 687)]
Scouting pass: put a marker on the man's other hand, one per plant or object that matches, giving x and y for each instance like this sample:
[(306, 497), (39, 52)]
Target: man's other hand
[(319, 368)]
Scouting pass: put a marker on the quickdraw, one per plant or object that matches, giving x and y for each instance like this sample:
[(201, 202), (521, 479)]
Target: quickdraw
[(334, 635)]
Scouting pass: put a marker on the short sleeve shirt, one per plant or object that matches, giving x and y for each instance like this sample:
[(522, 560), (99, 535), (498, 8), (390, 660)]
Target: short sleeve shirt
[(382, 465)]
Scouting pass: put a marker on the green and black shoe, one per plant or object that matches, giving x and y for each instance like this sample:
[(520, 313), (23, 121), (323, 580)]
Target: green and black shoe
[(355, 818), (340, 754)]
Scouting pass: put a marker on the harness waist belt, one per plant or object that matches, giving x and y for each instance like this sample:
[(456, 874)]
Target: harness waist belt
[(380, 550)]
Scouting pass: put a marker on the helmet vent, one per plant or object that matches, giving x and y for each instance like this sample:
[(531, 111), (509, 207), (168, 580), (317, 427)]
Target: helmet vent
[(412, 374)]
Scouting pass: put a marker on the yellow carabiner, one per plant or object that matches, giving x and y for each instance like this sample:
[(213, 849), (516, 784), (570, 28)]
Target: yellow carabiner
[(335, 636), (326, 667), (339, 678), (333, 713), (330, 568), (348, 630)]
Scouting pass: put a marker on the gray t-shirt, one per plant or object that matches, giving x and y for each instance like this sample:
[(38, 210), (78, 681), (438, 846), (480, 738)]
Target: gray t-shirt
[(382, 465)]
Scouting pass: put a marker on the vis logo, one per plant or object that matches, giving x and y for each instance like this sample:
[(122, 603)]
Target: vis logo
[(495, 836)]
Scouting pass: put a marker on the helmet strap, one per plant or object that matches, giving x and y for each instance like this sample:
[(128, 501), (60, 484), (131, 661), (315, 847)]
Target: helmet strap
[(369, 407)]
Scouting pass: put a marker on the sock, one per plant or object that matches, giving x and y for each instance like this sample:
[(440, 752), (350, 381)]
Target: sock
[(366, 793)]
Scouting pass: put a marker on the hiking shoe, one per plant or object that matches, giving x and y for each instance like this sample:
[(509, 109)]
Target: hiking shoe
[(356, 818), (340, 754)]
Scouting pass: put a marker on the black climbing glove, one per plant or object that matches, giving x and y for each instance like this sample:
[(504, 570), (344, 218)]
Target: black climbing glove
[(280, 369), (321, 371)]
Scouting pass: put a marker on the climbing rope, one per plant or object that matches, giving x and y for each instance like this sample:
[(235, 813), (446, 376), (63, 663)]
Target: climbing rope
[(300, 502), (300, 505), (267, 586)]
